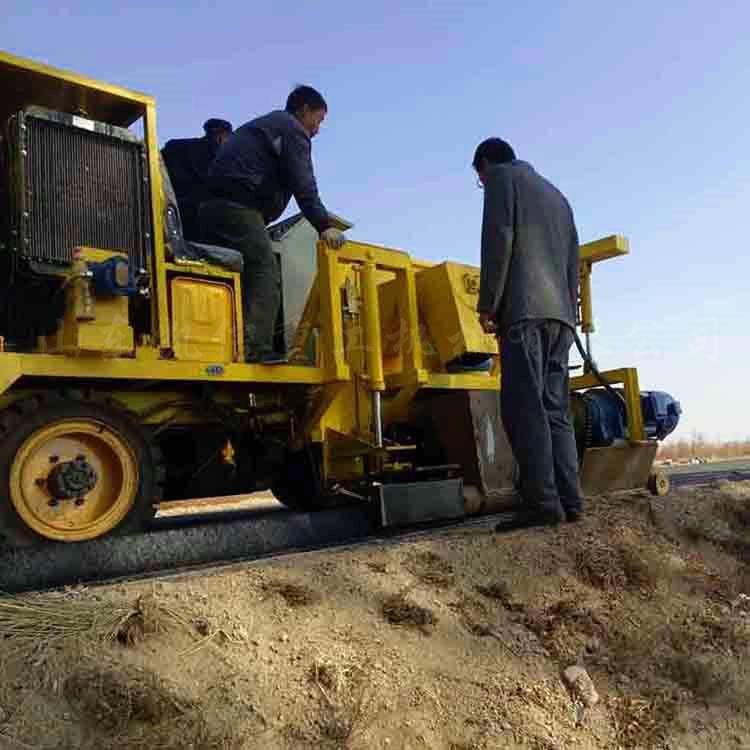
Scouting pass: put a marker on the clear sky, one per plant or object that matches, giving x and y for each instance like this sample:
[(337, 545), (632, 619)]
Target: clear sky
[(638, 111)]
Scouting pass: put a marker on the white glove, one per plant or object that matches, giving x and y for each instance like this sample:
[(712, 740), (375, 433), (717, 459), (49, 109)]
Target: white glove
[(333, 237)]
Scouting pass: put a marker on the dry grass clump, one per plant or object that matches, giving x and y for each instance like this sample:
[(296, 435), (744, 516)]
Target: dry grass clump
[(720, 516), (398, 610), (567, 629), (194, 730), (722, 680), (711, 630), (633, 643), (134, 707), (294, 594), (432, 569), (113, 694), (623, 563), (39, 620), (500, 591), (347, 702), (643, 722)]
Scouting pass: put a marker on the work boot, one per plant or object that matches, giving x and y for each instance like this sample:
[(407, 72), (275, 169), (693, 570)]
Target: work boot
[(527, 517)]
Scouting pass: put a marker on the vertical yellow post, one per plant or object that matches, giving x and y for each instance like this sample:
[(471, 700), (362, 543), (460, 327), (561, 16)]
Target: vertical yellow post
[(372, 327), (411, 351), (158, 271), (332, 332), (633, 404), (374, 349), (587, 314)]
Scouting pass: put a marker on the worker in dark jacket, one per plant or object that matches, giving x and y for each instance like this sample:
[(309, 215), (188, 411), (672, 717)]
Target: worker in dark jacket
[(187, 161), (252, 179), (528, 297)]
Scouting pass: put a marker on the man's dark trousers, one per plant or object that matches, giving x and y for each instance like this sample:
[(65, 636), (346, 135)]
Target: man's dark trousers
[(233, 225), (535, 401)]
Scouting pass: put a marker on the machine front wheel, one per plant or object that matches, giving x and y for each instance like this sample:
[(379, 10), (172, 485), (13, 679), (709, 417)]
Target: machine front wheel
[(74, 469)]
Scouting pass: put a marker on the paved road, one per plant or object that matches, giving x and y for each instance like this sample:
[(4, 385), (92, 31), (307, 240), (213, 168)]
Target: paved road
[(740, 464)]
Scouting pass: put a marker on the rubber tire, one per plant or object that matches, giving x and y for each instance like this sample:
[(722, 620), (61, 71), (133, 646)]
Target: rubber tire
[(658, 484), (298, 487), (26, 416)]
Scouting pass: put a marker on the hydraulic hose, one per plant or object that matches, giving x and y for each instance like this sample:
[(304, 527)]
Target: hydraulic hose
[(594, 369)]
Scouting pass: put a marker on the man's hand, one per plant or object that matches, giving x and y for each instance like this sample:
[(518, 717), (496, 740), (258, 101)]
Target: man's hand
[(488, 325), (333, 237)]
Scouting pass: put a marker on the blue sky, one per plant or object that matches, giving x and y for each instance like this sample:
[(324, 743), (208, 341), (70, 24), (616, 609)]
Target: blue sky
[(639, 112)]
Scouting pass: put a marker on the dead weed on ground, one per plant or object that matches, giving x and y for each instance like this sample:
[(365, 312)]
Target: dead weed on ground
[(398, 610), (36, 621), (714, 680), (432, 569), (711, 629), (567, 629), (124, 704), (501, 592), (347, 702), (294, 594), (112, 694), (622, 562), (643, 722)]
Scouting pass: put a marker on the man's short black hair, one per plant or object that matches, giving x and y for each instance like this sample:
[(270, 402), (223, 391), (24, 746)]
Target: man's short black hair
[(495, 151), (305, 95), (215, 123)]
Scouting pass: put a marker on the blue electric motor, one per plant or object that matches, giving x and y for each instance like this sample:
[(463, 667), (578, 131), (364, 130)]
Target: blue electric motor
[(605, 416), (113, 278)]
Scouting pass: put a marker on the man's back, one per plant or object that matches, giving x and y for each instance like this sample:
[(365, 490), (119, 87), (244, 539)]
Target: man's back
[(187, 161), (542, 273), (264, 163)]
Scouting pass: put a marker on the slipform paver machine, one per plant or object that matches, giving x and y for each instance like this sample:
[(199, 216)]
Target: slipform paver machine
[(122, 378)]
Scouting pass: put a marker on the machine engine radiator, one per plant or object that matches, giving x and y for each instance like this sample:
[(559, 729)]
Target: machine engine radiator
[(76, 182)]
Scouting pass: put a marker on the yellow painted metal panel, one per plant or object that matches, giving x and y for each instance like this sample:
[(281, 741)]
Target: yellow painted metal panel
[(25, 82), (158, 263), (59, 366), (199, 268), (604, 249), (202, 320), (447, 296), (105, 339), (10, 372)]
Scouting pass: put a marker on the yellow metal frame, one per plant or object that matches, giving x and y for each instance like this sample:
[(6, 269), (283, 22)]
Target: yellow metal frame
[(590, 253), (628, 377)]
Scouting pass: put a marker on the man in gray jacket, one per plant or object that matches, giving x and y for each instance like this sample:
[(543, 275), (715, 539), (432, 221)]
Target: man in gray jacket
[(252, 179), (528, 296)]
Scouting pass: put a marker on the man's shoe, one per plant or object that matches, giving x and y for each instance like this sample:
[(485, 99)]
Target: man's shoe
[(573, 516), (532, 517)]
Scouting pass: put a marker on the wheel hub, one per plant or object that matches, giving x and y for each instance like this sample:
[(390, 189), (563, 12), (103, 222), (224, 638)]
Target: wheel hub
[(72, 479)]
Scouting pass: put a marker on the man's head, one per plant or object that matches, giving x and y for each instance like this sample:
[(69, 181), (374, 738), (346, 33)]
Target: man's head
[(309, 107), (217, 130), (489, 152)]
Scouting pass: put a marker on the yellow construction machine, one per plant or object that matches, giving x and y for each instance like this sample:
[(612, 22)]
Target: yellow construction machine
[(122, 379)]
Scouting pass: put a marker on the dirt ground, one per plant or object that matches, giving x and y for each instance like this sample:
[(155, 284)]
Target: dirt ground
[(454, 643)]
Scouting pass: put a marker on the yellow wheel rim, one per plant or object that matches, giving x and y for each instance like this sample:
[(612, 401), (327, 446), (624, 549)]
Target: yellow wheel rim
[(101, 508)]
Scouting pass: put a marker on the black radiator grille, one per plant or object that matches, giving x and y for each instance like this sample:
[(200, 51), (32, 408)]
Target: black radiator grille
[(83, 188)]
